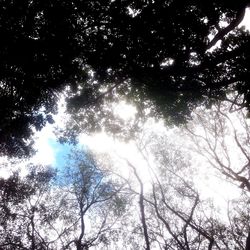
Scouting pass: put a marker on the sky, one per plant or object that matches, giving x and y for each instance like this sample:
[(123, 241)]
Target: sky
[(246, 20), (49, 150)]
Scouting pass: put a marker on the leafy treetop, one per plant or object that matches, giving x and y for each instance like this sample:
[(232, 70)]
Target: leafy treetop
[(157, 53)]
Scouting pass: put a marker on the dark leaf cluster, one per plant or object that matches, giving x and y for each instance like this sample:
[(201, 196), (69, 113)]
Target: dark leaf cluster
[(162, 50)]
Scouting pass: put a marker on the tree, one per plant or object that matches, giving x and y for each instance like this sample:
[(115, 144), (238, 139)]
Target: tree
[(79, 209), (13, 192), (28, 211), (161, 60), (174, 201), (94, 201), (157, 54), (141, 206), (38, 46), (222, 138), (174, 214), (91, 206)]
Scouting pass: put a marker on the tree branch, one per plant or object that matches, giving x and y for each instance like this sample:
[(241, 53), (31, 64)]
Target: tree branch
[(223, 32)]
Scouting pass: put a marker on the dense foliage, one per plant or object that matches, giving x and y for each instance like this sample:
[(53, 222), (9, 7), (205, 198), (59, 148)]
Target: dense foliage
[(157, 54)]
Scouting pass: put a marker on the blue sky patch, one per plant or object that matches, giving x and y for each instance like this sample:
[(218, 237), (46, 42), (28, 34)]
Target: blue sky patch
[(61, 152)]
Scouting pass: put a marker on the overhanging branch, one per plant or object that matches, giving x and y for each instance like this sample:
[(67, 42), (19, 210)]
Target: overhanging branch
[(223, 32)]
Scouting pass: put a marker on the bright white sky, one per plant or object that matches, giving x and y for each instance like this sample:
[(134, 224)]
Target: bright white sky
[(246, 20)]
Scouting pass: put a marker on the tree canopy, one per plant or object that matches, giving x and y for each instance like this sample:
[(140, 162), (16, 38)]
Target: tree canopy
[(94, 205), (159, 54)]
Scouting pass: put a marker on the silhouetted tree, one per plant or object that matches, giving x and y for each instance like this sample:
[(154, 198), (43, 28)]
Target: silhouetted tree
[(157, 54), (159, 57), (94, 201), (174, 212), (14, 191), (27, 212), (39, 43)]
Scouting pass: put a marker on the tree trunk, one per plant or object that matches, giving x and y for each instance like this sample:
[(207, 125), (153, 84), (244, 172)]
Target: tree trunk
[(248, 242), (142, 209)]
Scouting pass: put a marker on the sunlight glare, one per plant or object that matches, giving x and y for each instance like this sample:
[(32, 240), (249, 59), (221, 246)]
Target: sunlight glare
[(124, 110)]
